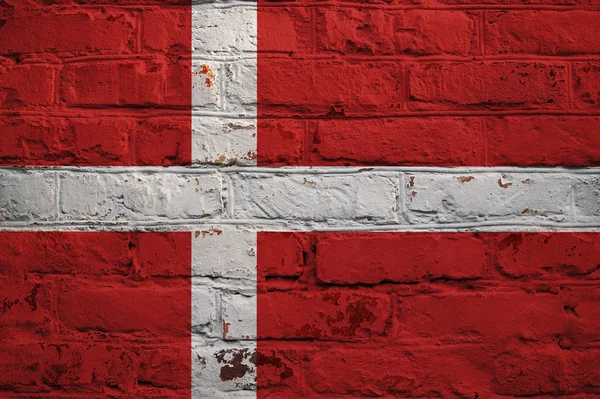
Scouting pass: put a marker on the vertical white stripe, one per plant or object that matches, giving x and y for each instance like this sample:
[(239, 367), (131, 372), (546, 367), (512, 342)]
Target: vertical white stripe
[(224, 313), (224, 84)]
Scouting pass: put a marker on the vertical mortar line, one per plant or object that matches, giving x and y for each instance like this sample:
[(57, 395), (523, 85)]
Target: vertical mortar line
[(570, 85), (401, 206), (307, 142), (222, 75), (229, 208), (138, 40), (572, 211), (56, 196), (481, 33), (404, 68), (484, 121), (313, 29)]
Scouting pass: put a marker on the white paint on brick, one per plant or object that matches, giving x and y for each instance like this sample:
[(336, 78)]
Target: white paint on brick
[(224, 252), (224, 141), (27, 195), (138, 196), (241, 78), (223, 351), (442, 198), (227, 30), (239, 317), (206, 85), (367, 197)]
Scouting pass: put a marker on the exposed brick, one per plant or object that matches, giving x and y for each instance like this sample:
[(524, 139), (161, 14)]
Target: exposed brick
[(487, 85), (88, 32), (542, 32), (342, 316), (543, 141), (549, 255), (287, 30), (586, 85), (399, 141), (281, 254), (489, 317), (298, 86), (161, 309), (402, 258), (26, 86), (413, 32), (120, 83)]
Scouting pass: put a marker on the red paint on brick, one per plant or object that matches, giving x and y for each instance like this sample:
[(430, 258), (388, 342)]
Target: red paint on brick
[(408, 314), (363, 93), (97, 77), (82, 313)]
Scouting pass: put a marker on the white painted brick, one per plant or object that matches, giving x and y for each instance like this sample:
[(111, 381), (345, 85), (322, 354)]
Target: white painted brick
[(223, 367), (27, 195), (442, 198), (206, 85), (136, 196), (203, 304), (224, 252), (230, 30), (366, 197), (241, 86), (587, 197), (224, 141), (239, 316)]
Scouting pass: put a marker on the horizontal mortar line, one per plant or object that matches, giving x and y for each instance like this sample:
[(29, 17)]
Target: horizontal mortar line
[(217, 5), (245, 56), (433, 113), (291, 170), (96, 58), (284, 225), (265, 56), (89, 112), (122, 113), (466, 7)]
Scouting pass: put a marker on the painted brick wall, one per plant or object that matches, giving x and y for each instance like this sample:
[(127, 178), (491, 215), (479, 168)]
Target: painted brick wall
[(465, 51)]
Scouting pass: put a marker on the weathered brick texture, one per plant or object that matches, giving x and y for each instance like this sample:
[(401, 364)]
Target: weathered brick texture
[(396, 89)]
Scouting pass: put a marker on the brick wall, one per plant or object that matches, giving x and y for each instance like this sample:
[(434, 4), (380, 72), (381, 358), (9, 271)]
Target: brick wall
[(487, 87)]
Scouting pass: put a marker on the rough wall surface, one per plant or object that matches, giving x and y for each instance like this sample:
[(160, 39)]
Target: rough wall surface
[(403, 91)]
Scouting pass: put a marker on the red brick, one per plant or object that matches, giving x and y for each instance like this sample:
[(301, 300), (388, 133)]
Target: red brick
[(401, 141), (26, 86), (513, 2), (278, 366), (163, 141), (287, 30), (328, 316), (163, 309), (164, 254), (372, 258), (167, 31), (549, 255), (280, 254), (486, 316), (542, 32), (280, 142), (543, 141), (413, 32), (26, 308), (61, 141), (75, 33), (118, 83), (296, 86), (65, 253), (367, 372), (586, 85), (165, 366), (531, 372), (487, 85)]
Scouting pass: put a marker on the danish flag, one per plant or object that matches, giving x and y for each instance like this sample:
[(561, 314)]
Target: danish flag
[(241, 200)]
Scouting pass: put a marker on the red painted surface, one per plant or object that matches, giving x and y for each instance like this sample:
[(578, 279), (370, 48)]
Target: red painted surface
[(378, 85), (95, 83), (95, 314), (473, 315)]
